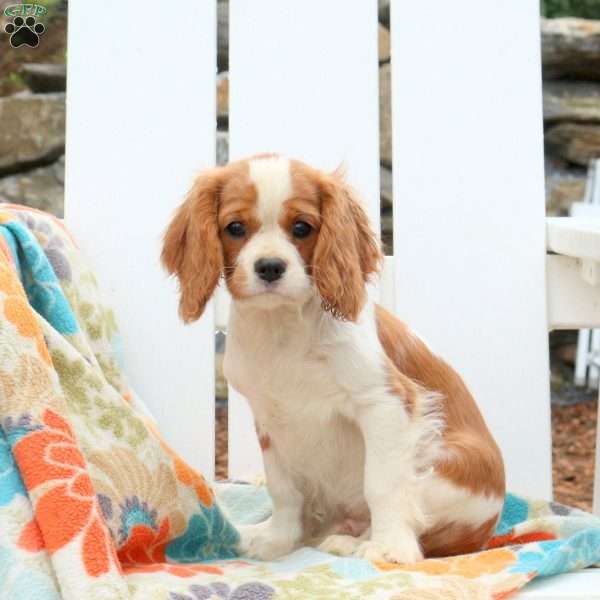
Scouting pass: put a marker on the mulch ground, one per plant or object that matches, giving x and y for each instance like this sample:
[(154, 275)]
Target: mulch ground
[(573, 446), (573, 449), (221, 443)]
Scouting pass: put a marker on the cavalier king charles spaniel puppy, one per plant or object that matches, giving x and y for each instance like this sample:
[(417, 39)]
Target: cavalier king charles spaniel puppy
[(372, 444)]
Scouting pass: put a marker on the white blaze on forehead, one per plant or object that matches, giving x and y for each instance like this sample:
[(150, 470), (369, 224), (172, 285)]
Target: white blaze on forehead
[(273, 182)]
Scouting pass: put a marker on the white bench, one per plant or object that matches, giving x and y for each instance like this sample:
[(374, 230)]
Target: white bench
[(470, 270)]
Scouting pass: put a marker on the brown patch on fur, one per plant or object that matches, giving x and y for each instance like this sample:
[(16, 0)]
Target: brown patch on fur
[(454, 538), (191, 248), (265, 441), (304, 205), (347, 251), (237, 202), (472, 459), (197, 249), (401, 386), (263, 438), (296, 210)]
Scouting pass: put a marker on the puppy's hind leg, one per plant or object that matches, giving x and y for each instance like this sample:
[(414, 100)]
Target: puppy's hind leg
[(393, 487)]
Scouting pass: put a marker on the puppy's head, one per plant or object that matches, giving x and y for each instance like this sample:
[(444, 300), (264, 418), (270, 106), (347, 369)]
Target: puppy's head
[(278, 231)]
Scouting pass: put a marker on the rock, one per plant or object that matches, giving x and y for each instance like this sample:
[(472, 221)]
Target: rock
[(576, 142), (387, 222), (384, 44), (567, 353), (222, 36), (564, 185), (33, 130), (571, 101), (561, 337), (41, 188), (43, 78), (561, 194), (571, 48), (220, 381), (556, 382), (385, 182), (222, 147), (387, 233), (59, 169), (384, 12), (385, 115), (222, 98)]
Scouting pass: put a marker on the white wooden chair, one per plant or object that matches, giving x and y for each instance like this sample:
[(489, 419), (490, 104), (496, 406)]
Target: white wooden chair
[(587, 359), (470, 269)]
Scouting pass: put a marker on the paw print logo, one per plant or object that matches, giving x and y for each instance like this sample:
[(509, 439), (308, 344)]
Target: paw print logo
[(24, 32)]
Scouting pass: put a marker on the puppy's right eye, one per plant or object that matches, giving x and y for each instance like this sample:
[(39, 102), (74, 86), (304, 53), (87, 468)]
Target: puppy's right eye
[(236, 229)]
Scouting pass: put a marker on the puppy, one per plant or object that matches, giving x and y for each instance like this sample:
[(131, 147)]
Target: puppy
[(372, 444)]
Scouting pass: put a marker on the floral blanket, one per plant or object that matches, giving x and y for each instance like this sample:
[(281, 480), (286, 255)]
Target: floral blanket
[(95, 505)]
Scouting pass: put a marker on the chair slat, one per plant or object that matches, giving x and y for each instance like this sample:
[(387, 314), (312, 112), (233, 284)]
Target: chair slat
[(137, 130), (469, 210), (303, 82)]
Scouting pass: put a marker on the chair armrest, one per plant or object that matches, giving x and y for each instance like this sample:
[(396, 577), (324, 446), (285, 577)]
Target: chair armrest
[(573, 272), (573, 281), (578, 237)]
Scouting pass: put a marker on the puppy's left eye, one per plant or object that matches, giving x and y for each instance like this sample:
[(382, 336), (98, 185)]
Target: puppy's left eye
[(236, 229), (301, 229)]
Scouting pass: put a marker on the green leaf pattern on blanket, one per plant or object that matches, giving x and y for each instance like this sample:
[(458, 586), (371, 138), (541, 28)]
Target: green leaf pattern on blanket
[(77, 383), (98, 320), (83, 393), (121, 422), (322, 583), (318, 582), (99, 324)]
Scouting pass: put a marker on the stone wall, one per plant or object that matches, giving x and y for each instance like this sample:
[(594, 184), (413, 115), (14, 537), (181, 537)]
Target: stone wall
[(571, 71), (32, 132), (32, 114), (32, 145)]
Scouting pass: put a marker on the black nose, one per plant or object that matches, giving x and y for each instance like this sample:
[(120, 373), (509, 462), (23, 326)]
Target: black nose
[(269, 269)]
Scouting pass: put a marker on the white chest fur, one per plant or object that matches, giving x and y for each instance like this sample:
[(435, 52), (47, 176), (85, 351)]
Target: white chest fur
[(303, 374)]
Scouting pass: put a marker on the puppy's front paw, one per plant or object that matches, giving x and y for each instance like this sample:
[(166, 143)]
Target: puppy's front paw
[(342, 545), (263, 542), (405, 550)]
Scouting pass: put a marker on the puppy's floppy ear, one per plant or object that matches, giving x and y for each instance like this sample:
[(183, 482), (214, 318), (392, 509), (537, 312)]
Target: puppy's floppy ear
[(347, 251), (192, 248)]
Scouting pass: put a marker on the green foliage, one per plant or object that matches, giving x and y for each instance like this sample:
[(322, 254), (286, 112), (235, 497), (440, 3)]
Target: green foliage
[(15, 79), (588, 9), (12, 82)]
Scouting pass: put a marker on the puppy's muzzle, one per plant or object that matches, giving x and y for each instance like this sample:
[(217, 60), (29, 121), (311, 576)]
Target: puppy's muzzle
[(269, 269)]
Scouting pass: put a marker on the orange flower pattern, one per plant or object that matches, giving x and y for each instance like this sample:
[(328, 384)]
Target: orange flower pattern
[(470, 566), (178, 570), (144, 545), (17, 311), (52, 464)]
